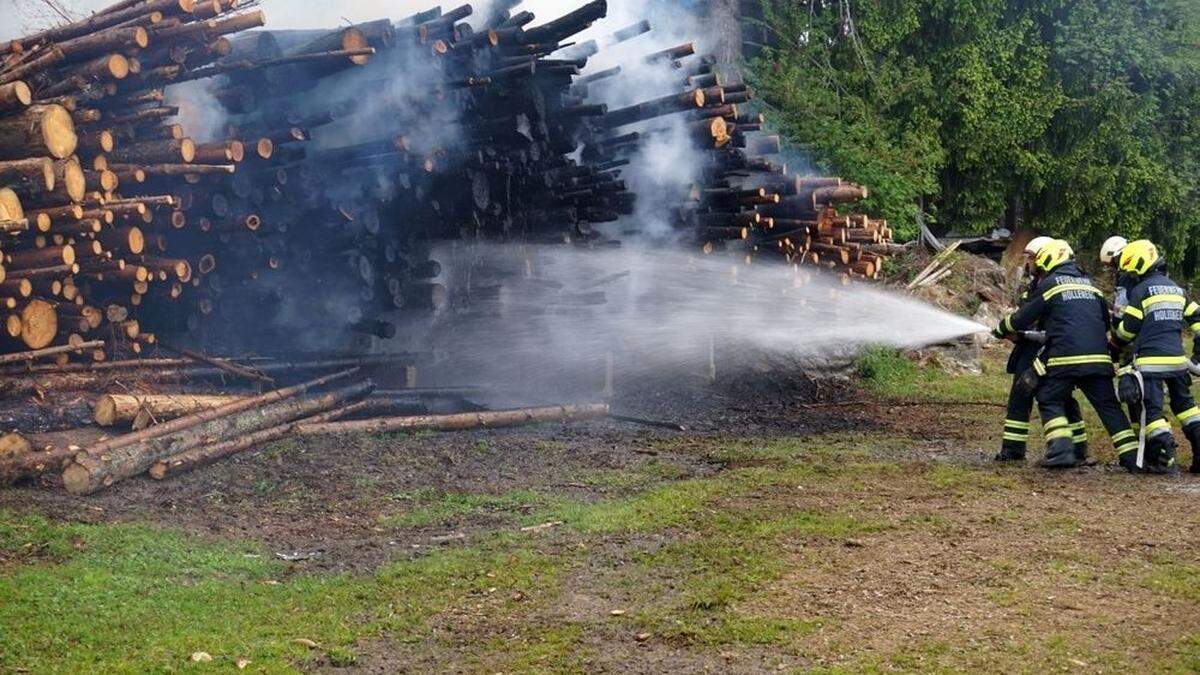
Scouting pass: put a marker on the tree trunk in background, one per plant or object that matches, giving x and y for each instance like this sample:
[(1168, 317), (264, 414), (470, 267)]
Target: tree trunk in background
[(725, 18)]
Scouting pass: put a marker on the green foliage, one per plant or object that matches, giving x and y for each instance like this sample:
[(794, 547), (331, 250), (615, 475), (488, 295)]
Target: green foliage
[(882, 366), (1075, 116)]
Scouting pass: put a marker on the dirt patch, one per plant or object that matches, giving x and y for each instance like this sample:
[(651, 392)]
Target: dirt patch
[(926, 556), (1060, 555), (325, 501)]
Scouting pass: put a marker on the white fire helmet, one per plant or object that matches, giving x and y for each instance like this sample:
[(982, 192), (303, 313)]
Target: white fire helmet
[(1036, 244), (1110, 252)]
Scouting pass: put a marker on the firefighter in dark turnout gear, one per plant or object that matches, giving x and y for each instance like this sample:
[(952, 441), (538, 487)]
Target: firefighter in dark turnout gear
[(1152, 323), (1074, 316), (1110, 256), (1128, 385), (1021, 394)]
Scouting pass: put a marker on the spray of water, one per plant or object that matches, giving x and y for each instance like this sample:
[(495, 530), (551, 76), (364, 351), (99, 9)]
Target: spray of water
[(532, 317)]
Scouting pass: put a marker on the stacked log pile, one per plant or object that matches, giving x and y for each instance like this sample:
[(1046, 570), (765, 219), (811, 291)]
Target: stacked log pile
[(170, 176), (90, 170), (339, 158), (752, 205)]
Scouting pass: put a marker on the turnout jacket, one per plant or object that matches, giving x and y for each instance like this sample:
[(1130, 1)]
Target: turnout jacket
[(1024, 351), (1124, 284), (1153, 323), (1074, 315)]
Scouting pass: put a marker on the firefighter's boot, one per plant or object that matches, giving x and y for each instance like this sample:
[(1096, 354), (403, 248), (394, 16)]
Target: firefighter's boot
[(1192, 431), (1160, 455), (1128, 461), (1011, 451), (1060, 454)]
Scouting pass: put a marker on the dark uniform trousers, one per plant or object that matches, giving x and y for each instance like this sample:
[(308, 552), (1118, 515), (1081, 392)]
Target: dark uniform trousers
[(1055, 391), (1179, 390), (1020, 410)]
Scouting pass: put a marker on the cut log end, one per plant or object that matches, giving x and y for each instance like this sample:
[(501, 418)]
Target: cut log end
[(58, 131), (187, 150), (13, 325), (10, 204), (77, 479), (74, 179), (39, 324), (14, 445), (15, 94), (353, 39), (116, 66)]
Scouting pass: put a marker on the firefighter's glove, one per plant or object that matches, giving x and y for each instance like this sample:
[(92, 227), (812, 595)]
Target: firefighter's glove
[(1128, 390)]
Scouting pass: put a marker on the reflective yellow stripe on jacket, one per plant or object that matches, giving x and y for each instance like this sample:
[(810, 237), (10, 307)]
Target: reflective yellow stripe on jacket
[(1177, 300), (1082, 359), (1063, 288)]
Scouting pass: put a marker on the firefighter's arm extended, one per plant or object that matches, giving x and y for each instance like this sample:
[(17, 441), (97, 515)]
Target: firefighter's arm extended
[(1130, 323), (1025, 318)]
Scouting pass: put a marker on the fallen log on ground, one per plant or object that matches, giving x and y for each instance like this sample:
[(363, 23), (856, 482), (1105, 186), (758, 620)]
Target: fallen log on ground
[(198, 457), (186, 366), (33, 464), (50, 351), (91, 471), (491, 420), (227, 366), (31, 456), (114, 409), (104, 463)]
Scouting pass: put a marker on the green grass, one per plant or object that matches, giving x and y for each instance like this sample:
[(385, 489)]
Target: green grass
[(1173, 578), (697, 563), (426, 508), (890, 374), (553, 649), (633, 478), (132, 598)]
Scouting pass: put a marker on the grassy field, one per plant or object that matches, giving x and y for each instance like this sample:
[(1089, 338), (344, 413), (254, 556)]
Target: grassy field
[(870, 551)]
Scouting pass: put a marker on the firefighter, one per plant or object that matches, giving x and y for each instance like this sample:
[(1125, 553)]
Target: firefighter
[(1128, 390), (1024, 384), (1110, 256), (1152, 324), (1075, 318)]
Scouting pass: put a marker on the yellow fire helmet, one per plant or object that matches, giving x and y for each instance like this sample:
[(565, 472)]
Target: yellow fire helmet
[(1036, 244), (1053, 254), (1138, 257)]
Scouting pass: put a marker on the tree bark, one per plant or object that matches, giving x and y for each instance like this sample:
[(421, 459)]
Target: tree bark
[(49, 351), (37, 131), (91, 471), (114, 409), (491, 419), (203, 456), (35, 174)]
